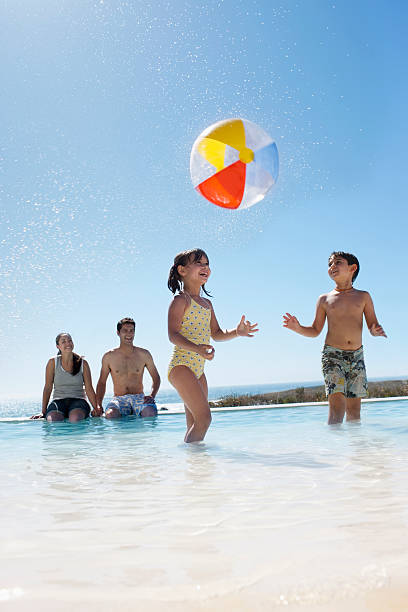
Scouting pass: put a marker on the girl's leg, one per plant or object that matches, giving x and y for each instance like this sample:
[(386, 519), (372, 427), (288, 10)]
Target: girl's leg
[(192, 392), (189, 416)]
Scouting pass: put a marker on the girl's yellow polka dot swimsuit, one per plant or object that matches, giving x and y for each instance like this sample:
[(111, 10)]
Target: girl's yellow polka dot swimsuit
[(195, 326)]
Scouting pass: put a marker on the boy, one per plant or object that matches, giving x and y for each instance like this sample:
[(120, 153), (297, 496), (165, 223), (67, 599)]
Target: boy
[(342, 358)]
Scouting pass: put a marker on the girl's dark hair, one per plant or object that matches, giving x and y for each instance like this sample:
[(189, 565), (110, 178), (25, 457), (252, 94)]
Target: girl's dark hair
[(76, 366), (175, 282)]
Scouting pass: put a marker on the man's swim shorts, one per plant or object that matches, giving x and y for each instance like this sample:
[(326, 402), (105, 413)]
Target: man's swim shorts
[(130, 404), (344, 371)]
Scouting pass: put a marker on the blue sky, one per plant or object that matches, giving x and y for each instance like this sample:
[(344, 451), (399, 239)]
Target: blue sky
[(100, 105)]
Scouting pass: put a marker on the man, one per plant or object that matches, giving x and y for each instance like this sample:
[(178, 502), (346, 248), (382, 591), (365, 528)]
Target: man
[(126, 365)]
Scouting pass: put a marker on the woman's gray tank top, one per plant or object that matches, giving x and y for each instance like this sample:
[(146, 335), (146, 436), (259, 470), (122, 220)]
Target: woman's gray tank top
[(66, 385)]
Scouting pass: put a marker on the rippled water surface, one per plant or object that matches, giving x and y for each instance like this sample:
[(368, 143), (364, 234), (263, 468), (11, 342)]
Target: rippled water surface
[(275, 509)]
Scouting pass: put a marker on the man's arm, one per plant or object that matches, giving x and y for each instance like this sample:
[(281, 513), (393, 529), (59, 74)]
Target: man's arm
[(371, 318), (313, 330), (103, 377), (151, 368)]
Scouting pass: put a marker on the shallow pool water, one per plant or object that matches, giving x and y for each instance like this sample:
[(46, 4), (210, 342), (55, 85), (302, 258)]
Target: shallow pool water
[(275, 509)]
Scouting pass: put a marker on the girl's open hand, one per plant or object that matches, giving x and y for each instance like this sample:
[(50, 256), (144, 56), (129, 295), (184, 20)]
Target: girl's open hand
[(291, 322), (245, 328), (206, 350), (377, 330)]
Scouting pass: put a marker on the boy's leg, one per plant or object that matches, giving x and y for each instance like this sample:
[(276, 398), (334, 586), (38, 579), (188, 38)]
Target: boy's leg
[(356, 385), (353, 408), (337, 408)]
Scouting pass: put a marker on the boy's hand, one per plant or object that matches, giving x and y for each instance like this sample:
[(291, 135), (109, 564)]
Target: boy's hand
[(244, 328), (377, 330), (37, 416), (291, 322), (206, 350)]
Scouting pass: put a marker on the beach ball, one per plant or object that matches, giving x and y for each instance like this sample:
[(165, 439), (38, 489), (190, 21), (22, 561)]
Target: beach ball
[(234, 163)]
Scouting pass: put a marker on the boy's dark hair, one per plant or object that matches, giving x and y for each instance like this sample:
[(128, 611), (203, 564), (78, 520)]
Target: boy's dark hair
[(175, 282), (77, 359), (124, 321), (351, 259)]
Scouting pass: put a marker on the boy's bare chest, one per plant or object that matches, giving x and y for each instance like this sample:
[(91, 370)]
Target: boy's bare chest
[(343, 304)]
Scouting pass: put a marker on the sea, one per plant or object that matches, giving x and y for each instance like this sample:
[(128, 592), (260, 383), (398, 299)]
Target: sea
[(23, 407), (274, 511)]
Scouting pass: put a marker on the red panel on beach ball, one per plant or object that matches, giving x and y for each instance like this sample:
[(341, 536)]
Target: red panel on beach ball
[(225, 188)]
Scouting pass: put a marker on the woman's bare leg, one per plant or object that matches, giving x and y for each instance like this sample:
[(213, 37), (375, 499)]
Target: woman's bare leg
[(193, 393), (75, 415), (54, 416)]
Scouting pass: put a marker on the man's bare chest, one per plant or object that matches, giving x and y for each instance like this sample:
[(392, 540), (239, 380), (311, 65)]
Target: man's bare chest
[(128, 366)]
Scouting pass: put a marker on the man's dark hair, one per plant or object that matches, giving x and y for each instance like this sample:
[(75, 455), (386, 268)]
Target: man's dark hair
[(124, 321), (351, 259)]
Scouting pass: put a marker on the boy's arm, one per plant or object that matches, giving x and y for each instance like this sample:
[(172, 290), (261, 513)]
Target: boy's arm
[(313, 330), (151, 368), (101, 386), (371, 318)]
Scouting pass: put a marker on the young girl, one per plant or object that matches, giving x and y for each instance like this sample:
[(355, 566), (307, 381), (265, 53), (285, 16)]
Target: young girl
[(192, 322), (67, 373)]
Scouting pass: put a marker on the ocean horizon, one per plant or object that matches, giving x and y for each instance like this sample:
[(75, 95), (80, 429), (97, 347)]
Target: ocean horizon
[(26, 406)]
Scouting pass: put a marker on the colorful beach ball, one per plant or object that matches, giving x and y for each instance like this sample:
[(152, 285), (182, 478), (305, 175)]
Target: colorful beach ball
[(234, 163)]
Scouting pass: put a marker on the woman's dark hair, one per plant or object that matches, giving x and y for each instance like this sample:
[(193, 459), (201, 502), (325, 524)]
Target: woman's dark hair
[(351, 259), (175, 282), (77, 359)]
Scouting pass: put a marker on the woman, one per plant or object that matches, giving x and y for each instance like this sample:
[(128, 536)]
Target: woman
[(67, 373)]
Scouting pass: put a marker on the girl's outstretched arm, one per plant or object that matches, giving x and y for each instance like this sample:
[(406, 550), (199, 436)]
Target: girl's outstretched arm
[(244, 328)]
